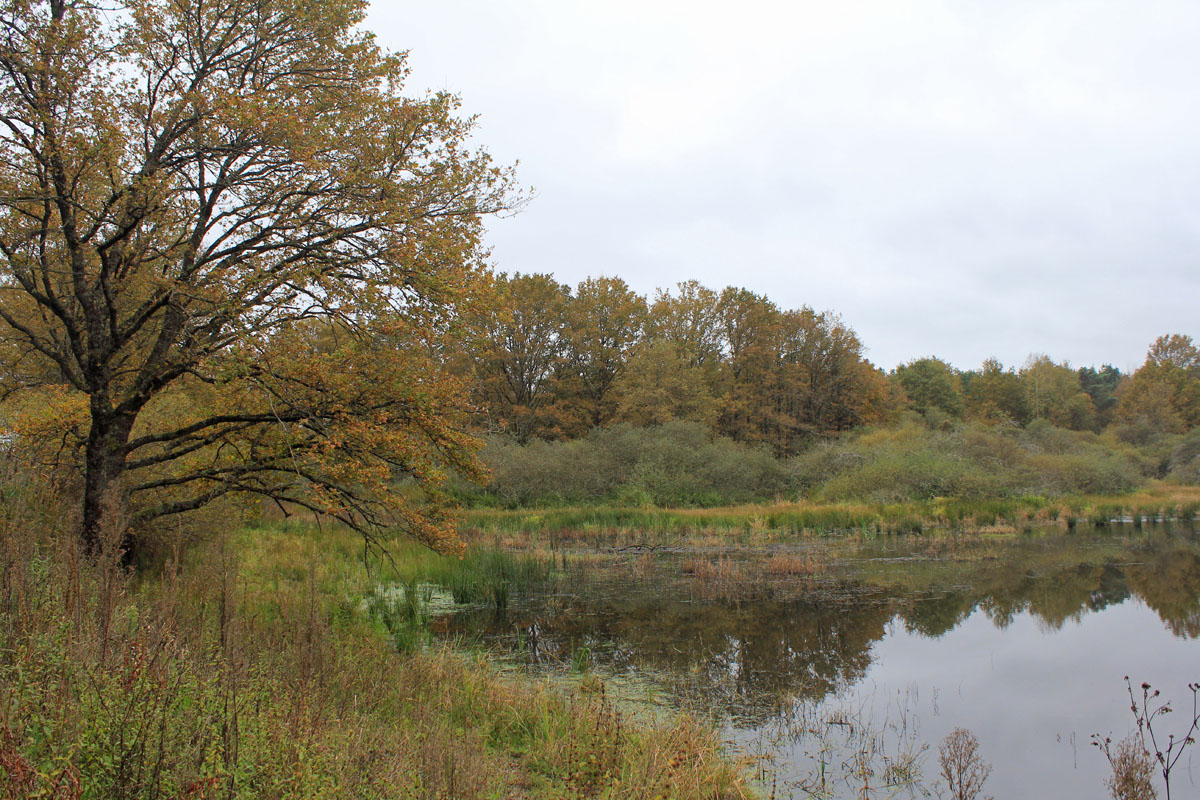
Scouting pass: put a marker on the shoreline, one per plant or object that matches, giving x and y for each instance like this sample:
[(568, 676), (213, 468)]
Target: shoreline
[(785, 520)]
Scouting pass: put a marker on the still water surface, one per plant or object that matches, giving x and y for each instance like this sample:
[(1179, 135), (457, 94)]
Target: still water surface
[(826, 657)]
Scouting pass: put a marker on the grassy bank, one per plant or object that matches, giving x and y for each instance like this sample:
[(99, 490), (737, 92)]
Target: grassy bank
[(781, 520), (269, 663)]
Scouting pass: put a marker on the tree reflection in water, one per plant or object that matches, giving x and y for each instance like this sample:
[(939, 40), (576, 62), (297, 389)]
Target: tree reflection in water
[(777, 657), (747, 654)]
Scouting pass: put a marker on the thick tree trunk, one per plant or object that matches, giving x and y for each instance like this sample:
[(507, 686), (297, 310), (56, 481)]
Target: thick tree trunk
[(104, 466)]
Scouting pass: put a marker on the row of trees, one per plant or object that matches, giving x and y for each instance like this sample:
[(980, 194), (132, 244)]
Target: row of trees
[(1163, 395), (555, 362)]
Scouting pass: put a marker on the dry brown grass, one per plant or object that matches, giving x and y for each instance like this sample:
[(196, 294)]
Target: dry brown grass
[(1133, 771), (793, 565), (724, 578), (961, 766), (645, 564)]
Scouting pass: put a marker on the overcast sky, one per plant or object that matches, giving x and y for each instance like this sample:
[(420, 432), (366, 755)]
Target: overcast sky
[(960, 178)]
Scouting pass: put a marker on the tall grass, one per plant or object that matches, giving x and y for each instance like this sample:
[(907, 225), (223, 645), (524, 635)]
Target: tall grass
[(265, 664), (483, 574), (617, 526), (487, 575)]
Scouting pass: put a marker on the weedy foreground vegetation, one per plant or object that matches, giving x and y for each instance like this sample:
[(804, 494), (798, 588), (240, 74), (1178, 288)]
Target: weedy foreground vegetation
[(269, 663)]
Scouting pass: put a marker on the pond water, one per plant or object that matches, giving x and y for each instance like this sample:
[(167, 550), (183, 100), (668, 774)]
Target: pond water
[(846, 661)]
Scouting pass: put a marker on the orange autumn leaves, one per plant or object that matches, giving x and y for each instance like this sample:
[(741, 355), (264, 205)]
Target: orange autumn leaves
[(553, 362), (235, 260)]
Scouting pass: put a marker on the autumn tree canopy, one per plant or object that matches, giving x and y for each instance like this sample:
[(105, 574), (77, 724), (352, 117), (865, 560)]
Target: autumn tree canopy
[(996, 394), (518, 349), (1054, 392), (931, 383), (231, 256), (604, 321), (1165, 390), (550, 362)]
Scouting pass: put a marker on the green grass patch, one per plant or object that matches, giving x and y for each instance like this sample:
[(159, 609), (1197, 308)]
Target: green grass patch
[(783, 520)]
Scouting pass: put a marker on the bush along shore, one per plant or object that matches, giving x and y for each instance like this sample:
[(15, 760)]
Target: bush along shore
[(683, 465)]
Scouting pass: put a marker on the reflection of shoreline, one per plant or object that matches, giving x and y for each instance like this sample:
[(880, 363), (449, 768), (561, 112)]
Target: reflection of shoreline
[(810, 638), (1021, 639)]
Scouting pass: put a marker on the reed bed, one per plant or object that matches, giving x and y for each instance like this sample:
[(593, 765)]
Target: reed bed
[(762, 523), (793, 565), (722, 579)]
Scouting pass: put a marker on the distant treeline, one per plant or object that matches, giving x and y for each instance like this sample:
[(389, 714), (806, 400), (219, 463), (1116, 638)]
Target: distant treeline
[(556, 363)]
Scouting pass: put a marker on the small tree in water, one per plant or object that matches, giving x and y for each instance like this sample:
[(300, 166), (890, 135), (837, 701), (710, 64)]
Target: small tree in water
[(963, 769)]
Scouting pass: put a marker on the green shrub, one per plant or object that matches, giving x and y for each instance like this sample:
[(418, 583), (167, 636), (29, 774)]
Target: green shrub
[(682, 465), (1184, 465), (677, 464), (969, 461)]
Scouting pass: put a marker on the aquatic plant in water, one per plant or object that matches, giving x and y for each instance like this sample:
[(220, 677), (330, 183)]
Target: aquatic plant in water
[(1133, 758)]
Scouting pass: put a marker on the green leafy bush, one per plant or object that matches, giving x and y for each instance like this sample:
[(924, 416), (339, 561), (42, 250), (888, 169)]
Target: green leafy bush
[(1184, 465), (913, 462), (681, 464), (677, 464)]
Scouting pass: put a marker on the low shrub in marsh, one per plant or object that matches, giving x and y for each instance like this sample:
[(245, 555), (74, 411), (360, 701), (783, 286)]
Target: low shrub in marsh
[(1135, 760), (1133, 771), (969, 461), (920, 473), (1082, 473), (961, 766), (616, 475), (1145, 441)]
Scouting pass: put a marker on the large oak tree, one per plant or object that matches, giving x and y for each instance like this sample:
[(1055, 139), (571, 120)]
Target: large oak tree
[(234, 251)]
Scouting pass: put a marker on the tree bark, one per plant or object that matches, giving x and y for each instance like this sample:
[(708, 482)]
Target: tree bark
[(104, 466)]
